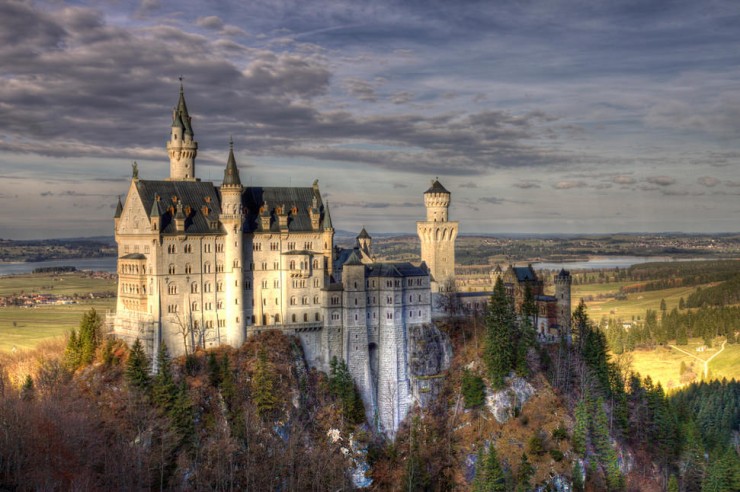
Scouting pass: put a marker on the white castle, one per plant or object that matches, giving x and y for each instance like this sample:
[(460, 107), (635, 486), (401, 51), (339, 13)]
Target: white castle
[(201, 265)]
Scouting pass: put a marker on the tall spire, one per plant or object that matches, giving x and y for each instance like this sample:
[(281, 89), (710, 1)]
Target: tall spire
[(231, 173), (181, 147), (327, 217), (181, 113)]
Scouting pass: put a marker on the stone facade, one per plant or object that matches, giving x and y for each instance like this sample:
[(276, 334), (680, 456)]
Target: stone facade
[(202, 265)]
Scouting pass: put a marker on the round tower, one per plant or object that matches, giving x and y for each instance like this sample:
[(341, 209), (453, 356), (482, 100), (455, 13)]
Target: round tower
[(437, 235), (232, 219), (563, 282), (181, 147)]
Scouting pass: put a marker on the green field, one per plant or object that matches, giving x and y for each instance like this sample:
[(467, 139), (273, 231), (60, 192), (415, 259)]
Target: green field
[(635, 305), (62, 284), (25, 327), (663, 364)]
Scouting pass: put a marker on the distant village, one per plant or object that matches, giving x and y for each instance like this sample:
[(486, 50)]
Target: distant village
[(34, 299)]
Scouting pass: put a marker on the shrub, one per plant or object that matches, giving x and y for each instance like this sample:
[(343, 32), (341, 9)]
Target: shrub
[(473, 389), (536, 445), (556, 454), (559, 433)]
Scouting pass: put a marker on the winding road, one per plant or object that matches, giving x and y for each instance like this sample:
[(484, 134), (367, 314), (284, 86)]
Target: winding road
[(705, 362)]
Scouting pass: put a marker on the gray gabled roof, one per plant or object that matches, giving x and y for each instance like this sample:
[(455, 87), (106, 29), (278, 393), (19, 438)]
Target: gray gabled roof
[(401, 269), (437, 188), (297, 202), (524, 274), (353, 259), (197, 198)]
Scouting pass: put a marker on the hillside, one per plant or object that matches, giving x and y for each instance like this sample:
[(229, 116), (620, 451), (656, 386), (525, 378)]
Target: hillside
[(257, 418)]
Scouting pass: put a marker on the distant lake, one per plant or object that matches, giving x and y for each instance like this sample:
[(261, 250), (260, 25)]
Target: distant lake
[(104, 264), (603, 262)]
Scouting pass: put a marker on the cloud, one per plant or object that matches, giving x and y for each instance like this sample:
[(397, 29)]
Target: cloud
[(526, 185), (401, 97), (362, 90), (569, 184), (492, 200), (660, 180), (210, 22), (731, 183), (623, 179), (46, 193), (399, 185), (469, 184), (708, 181)]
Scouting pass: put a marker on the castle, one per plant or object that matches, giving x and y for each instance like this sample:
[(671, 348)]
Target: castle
[(202, 265)]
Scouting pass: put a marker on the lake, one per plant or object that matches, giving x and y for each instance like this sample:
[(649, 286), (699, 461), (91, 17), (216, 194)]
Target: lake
[(602, 262), (104, 264)]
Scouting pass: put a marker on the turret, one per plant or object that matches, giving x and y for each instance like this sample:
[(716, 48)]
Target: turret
[(232, 218), (181, 147), (328, 239), (119, 212), (437, 235), (364, 242)]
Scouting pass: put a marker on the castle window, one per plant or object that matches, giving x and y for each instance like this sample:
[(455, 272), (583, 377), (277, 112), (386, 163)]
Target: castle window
[(206, 267), (247, 284), (317, 282), (188, 248), (334, 300), (356, 320), (172, 308), (222, 323), (220, 305), (355, 301), (257, 247), (292, 318), (355, 285), (220, 287), (219, 247), (264, 284), (207, 248), (304, 301), (194, 288), (219, 267), (172, 289), (188, 268), (305, 317), (171, 269), (293, 301), (277, 301), (276, 265), (317, 317), (194, 306), (277, 318), (276, 284), (236, 263), (291, 246), (292, 264), (316, 264), (335, 315), (236, 302), (208, 306), (274, 247), (315, 299), (264, 265), (419, 313)]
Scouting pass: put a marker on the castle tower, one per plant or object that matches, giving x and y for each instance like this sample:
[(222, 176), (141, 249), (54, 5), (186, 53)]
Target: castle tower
[(563, 282), (364, 242), (437, 235), (181, 147), (232, 219), (328, 239)]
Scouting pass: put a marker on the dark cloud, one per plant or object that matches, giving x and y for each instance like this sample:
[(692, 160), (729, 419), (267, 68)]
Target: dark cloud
[(661, 180), (361, 89)]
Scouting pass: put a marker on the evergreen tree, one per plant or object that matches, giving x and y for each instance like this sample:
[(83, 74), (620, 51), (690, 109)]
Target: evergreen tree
[(228, 386), (137, 368), (263, 392), (524, 474), (72, 359), (580, 431), (181, 414), (605, 452), (27, 388), (89, 336), (724, 473), (343, 387), (578, 484), (164, 389), (499, 349), (473, 389), (214, 370), (416, 477), (489, 476)]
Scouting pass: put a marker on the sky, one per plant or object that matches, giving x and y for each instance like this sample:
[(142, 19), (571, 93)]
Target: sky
[(551, 116)]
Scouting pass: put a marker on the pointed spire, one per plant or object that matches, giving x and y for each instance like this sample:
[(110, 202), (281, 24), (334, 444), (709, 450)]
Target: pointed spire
[(155, 210), (327, 217), (181, 118), (119, 209), (363, 234), (231, 173)]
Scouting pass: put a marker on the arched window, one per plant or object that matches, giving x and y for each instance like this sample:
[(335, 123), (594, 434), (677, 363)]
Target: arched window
[(292, 264), (304, 301), (194, 306), (292, 318), (293, 301), (206, 267), (188, 268), (171, 269), (194, 288), (172, 289)]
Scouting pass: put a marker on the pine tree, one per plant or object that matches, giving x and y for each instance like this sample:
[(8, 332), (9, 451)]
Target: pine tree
[(473, 389), (489, 476), (27, 388), (72, 358), (724, 473), (415, 476), (580, 431), (164, 389), (89, 336), (137, 368), (214, 370), (578, 484), (499, 350), (263, 392), (181, 414), (343, 387), (524, 474)]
